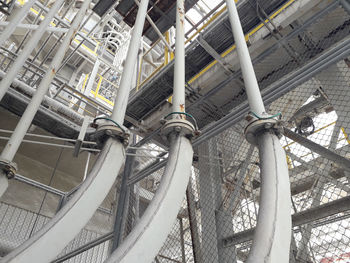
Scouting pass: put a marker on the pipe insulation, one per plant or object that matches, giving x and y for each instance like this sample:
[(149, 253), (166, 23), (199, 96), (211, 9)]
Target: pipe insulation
[(151, 231), (47, 243), (272, 237), (273, 230), (52, 103)]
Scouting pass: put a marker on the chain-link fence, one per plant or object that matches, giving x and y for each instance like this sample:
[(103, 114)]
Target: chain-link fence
[(219, 213)]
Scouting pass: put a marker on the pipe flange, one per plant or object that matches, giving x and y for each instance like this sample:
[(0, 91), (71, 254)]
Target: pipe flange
[(107, 130), (9, 168), (179, 126), (259, 126)]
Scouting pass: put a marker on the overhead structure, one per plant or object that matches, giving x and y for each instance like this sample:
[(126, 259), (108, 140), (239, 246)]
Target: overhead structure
[(175, 131)]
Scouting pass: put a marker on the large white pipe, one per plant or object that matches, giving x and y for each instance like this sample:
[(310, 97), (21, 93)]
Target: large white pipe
[(151, 231), (28, 48), (11, 27), (48, 242), (271, 243)]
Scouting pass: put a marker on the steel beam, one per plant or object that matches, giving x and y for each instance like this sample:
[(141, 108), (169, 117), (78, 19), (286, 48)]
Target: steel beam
[(17, 19), (315, 147), (301, 218)]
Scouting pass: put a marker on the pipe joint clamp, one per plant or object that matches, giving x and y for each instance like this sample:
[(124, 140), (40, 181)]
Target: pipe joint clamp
[(9, 168), (106, 129), (179, 126), (259, 126)]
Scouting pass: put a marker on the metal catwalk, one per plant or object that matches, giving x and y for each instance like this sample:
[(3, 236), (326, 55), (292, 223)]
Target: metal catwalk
[(213, 132)]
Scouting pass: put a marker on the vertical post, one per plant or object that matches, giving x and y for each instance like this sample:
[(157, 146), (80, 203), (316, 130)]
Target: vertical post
[(27, 50), (11, 27), (182, 240), (272, 236), (24, 123), (90, 84), (122, 99), (192, 217), (179, 74), (128, 170)]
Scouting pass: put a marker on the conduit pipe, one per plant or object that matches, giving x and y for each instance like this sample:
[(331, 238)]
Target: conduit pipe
[(272, 236), (17, 19), (46, 244), (151, 231), (52, 103), (27, 50)]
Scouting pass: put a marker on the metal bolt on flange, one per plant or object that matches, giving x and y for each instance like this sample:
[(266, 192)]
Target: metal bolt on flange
[(179, 126), (106, 129), (258, 126), (9, 168)]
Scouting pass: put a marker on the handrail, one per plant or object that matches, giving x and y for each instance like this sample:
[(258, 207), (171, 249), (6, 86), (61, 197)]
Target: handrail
[(230, 49)]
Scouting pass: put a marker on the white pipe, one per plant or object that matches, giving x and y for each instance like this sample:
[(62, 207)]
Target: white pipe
[(27, 50), (151, 231), (35, 27), (271, 243), (53, 104), (179, 71), (253, 92), (22, 13), (272, 235), (46, 244), (128, 71)]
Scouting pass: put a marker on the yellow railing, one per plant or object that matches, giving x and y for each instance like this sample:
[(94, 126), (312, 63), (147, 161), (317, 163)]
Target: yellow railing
[(93, 52), (225, 53)]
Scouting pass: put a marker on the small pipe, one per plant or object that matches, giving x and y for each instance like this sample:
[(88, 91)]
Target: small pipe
[(151, 231), (179, 68), (125, 83), (11, 27), (27, 50), (35, 27), (12, 146)]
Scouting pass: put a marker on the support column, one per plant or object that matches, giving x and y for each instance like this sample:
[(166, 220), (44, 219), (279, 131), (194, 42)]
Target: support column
[(89, 85), (122, 199), (207, 197)]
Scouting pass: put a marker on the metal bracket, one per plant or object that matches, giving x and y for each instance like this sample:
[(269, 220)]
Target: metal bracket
[(9, 168), (106, 129), (258, 126), (179, 126)]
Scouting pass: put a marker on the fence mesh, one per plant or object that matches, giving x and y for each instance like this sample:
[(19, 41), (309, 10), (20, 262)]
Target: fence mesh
[(222, 199)]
